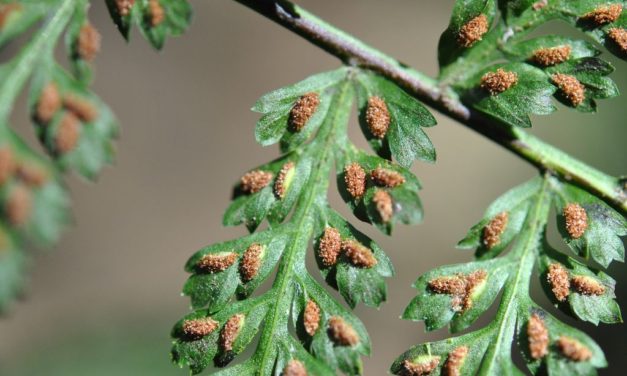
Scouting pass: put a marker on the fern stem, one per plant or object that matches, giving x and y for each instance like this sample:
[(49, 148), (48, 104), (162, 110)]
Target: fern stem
[(23, 65), (356, 53)]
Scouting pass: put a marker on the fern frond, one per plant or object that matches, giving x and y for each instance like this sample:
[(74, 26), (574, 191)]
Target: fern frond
[(480, 41), (457, 295), (301, 324)]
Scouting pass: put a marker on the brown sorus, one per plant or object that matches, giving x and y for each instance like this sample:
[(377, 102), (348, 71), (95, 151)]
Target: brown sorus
[(570, 86), (68, 133), (420, 368), (454, 362), (355, 179), (473, 280), (31, 174), (460, 287), (499, 81), (49, 103), (377, 117), (587, 285), (384, 204), (330, 246), (198, 328), (576, 220), (6, 10), (573, 349), (303, 110), (604, 14), (494, 229), (82, 108), (281, 183), (88, 43), (619, 36), (358, 254), (7, 164), (473, 31), (19, 205), (538, 336), (124, 6), (251, 262), (386, 178), (311, 317), (216, 262), (294, 368), (551, 55), (157, 14), (341, 332), (254, 181), (559, 281), (230, 331), (539, 5)]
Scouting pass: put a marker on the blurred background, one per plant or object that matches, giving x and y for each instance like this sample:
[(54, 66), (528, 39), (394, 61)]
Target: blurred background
[(103, 301)]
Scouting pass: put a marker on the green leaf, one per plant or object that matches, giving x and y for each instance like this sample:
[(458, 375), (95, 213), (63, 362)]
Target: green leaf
[(405, 140), (530, 95), (12, 265), (586, 307), (601, 239), (464, 11)]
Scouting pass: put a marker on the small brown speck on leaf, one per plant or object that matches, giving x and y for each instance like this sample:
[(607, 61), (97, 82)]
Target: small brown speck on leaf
[(494, 229), (539, 5), (473, 280), (377, 117), (559, 281), (587, 285), (49, 103), (330, 246), (499, 81), (619, 36), (454, 362), (251, 262), (473, 31), (81, 107), (294, 368), (423, 368), (303, 110), (551, 55), (157, 14), (68, 133), (124, 7), (19, 206), (384, 204), (570, 86), (311, 317), (604, 14), (6, 10), (255, 181), (341, 332), (31, 174), (358, 254), (230, 331), (538, 336), (7, 164), (576, 220), (460, 286), (386, 178), (355, 179), (573, 349), (198, 328), (217, 262), (88, 44), (281, 184)]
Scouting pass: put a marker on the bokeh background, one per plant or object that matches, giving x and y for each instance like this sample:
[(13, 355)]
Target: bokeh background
[(103, 301)]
